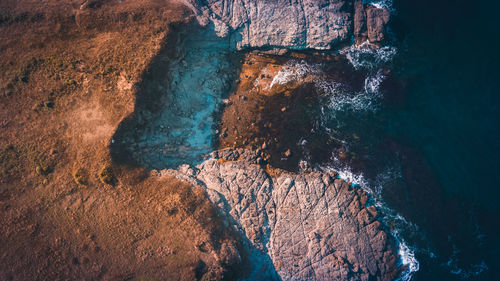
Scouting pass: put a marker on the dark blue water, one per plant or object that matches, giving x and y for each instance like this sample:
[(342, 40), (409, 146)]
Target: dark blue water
[(426, 143), (431, 140), (442, 123)]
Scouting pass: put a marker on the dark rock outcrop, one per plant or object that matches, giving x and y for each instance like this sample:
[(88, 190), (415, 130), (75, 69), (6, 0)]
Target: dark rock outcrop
[(360, 31), (369, 22)]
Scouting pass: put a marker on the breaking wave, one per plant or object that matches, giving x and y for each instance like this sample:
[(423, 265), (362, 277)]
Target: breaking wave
[(370, 59), (338, 98), (380, 4), (294, 71), (368, 56), (389, 217), (338, 95), (373, 82)]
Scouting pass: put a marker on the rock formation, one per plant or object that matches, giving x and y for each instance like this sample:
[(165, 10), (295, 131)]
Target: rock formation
[(369, 22), (313, 226), (298, 24)]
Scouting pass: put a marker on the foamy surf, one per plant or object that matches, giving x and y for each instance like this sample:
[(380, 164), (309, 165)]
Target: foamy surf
[(387, 215), (407, 258), (338, 95), (368, 56), (373, 82), (380, 4), (294, 71)]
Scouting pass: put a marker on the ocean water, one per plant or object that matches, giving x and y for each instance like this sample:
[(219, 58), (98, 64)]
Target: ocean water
[(421, 134), (446, 116), (423, 139)]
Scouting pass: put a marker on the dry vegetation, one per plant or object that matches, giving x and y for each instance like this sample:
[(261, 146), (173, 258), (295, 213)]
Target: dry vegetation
[(69, 71)]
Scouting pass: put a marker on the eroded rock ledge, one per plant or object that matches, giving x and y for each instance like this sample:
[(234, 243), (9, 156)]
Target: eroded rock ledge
[(297, 24), (312, 226)]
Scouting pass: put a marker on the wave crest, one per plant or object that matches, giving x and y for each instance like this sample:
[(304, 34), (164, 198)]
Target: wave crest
[(368, 56), (380, 4), (338, 95), (388, 215)]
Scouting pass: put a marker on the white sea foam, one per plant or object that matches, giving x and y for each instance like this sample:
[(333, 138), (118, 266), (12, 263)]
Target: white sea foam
[(368, 56), (408, 258), (339, 97), (380, 4), (293, 71), (388, 216), (373, 82), (371, 58)]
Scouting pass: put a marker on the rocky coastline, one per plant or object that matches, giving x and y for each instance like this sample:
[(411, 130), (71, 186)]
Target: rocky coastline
[(249, 204), (297, 226), (294, 224), (303, 24)]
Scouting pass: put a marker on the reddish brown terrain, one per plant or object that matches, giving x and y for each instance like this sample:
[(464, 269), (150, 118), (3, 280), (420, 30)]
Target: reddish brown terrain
[(274, 117), (69, 71)]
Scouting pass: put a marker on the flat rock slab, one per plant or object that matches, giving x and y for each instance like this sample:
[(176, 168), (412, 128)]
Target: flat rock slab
[(304, 24), (313, 226)]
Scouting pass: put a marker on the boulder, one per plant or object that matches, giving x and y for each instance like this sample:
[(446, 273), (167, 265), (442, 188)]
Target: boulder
[(376, 20), (370, 22), (310, 226)]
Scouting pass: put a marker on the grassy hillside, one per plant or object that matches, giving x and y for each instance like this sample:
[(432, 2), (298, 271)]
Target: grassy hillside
[(69, 76)]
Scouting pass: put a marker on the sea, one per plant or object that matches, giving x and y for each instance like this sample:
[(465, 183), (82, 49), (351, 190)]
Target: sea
[(426, 136), (421, 134)]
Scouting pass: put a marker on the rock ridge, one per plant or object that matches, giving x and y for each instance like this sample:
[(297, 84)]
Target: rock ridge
[(297, 24), (302, 226)]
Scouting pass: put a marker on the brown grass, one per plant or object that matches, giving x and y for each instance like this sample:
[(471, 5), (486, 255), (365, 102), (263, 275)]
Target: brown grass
[(67, 80), (106, 175)]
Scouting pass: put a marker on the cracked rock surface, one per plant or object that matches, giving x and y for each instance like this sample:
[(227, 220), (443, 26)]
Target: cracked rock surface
[(312, 226), (296, 24)]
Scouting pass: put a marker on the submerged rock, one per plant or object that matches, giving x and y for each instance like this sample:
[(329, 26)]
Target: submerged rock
[(291, 24), (312, 226)]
